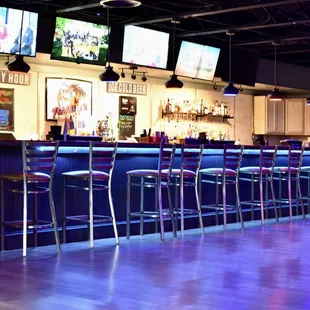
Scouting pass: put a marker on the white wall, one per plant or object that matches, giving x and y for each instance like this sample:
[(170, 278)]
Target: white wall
[(30, 100)]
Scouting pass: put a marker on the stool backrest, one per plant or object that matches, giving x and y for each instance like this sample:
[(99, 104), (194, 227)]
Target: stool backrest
[(233, 156), (295, 157), (166, 157), (39, 157), (191, 156), (102, 156), (268, 156)]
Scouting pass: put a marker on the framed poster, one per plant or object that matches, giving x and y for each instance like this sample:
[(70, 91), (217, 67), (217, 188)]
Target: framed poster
[(127, 105), (67, 97), (7, 109)]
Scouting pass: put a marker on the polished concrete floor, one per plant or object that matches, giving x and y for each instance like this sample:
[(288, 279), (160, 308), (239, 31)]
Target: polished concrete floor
[(257, 268)]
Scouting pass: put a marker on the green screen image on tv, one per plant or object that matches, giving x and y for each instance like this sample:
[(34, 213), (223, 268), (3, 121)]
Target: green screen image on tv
[(80, 42)]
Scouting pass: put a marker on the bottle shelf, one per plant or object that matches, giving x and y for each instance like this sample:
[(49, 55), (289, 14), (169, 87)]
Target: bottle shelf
[(194, 116)]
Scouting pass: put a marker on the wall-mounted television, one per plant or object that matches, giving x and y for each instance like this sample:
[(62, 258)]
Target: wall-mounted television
[(145, 47), (197, 61), (80, 42), (16, 38)]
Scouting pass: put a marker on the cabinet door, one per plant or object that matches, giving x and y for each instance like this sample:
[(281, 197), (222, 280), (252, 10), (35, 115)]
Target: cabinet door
[(280, 116), (307, 119), (295, 116), (271, 117)]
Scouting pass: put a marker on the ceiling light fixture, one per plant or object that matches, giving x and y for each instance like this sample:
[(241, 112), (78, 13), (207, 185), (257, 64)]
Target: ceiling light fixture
[(120, 4), (18, 64), (133, 76), (308, 101), (108, 75), (174, 82), (144, 78), (123, 74), (275, 95), (230, 90)]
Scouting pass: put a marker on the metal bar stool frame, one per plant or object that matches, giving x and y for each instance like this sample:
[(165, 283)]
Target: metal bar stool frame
[(158, 179), (228, 174), (99, 178), (39, 161), (289, 174), (187, 176), (261, 174)]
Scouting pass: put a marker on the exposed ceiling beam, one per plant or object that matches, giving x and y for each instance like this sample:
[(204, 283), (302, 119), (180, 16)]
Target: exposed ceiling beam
[(195, 14), (288, 52), (217, 12), (245, 27), (279, 39)]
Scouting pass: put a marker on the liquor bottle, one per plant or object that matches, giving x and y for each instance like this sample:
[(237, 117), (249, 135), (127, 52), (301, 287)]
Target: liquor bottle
[(168, 106), (222, 109), (176, 108)]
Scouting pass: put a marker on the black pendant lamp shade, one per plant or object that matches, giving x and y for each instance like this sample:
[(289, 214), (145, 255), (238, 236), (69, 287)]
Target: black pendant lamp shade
[(108, 75), (18, 65), (121, 4), (174, 82), (275, 95), (230, 90)]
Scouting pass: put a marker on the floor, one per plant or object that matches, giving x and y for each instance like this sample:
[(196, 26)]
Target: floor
[(258, 268)]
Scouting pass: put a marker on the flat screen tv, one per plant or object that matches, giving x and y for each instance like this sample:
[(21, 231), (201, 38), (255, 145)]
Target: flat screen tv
[(80, 42), (197, 61), (15, 38), (145, 47)]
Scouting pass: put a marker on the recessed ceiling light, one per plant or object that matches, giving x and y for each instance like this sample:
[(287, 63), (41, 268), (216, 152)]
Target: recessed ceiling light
[(121, 4)]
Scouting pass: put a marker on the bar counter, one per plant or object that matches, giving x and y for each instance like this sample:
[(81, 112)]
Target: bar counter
[(73, 155)]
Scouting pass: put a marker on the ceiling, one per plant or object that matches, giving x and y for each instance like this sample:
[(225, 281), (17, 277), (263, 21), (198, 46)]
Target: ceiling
[(257, 23)]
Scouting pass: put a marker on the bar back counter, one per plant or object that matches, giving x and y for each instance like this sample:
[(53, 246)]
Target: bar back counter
[(74, 155)]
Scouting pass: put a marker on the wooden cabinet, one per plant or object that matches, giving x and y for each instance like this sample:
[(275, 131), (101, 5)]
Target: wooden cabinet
[(269, 116), (294, 116)]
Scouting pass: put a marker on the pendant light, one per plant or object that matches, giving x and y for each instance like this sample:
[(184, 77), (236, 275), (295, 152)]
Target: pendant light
[(18, 64), (275, 95), (108, 75), (308, 101), (230, 90), (174, 82), (120, 4)]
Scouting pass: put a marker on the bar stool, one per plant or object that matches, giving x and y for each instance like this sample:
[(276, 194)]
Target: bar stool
[(290, 173), (229, 174), (305, 174), (157, 179), (259, 175), (39, 161), (187, 176), (98, 177)]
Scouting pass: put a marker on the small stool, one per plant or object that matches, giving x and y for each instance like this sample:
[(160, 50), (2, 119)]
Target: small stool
[(157, 179), (98, 177), (261, 174), (229, 174), (187, 176), (39, 160), (290, 173)]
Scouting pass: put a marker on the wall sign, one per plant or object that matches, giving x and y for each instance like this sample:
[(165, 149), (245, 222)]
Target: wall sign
[(17, 78), (127, 105), (6, 109), (126, 126), (127, 88)]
